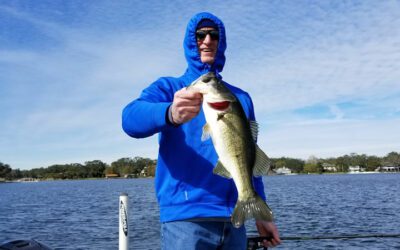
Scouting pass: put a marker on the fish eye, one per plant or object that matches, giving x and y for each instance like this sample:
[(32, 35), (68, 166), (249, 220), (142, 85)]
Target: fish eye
[(207, 79)]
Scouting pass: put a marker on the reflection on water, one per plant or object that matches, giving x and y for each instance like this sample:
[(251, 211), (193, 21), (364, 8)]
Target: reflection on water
[(84, 214)]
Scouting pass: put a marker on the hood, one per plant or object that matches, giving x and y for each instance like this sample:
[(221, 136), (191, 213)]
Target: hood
[(195, 66)]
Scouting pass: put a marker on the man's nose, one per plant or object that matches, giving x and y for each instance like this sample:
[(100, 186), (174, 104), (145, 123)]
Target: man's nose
[(207, 39)]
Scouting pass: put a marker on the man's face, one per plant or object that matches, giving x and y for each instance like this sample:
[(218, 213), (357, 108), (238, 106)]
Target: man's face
[(207, 43)]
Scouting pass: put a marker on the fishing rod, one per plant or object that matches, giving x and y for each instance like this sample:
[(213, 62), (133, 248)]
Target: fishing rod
[(255, 242)]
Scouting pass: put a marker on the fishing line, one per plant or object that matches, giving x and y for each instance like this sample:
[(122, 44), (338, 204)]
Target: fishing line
[(255, 242)]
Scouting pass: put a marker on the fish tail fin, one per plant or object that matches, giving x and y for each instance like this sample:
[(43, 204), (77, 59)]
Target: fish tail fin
[(254, 207)]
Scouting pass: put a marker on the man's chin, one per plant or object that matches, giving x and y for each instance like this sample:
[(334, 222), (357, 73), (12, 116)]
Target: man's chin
[(207, 59)]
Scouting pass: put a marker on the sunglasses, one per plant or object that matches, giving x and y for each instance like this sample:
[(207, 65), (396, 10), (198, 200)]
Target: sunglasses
[(201, 34)]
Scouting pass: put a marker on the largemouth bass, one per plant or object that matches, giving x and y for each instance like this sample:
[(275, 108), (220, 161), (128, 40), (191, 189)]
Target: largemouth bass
[(233, 137)]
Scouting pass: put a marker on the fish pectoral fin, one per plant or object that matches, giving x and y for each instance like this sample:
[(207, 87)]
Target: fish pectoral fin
[(262, 163), (206, 132), (221, 170), (254, 129)]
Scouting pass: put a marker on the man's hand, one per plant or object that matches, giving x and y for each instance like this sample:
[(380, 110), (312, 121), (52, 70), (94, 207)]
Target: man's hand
[(268, 229), (185, 106)]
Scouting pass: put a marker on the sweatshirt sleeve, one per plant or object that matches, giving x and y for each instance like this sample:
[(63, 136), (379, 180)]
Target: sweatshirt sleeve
[(259, 187), (148, 115)]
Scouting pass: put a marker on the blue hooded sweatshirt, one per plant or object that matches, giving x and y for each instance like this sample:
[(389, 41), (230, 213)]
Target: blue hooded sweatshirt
[(185, 185)]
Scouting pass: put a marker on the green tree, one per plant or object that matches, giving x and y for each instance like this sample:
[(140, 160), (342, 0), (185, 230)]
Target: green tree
[(313, 165), (5, 171), (151, 170), (296, 165), (15, 174), (280, 163), (142, 163), (95, 168), (358, 160), (310, 168), (320, 168), (132, 166), (122, 166), (373, 162), (343, 163), (392, 159)]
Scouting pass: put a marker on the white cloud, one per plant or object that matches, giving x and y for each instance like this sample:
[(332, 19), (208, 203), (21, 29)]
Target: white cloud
[(332, 73), (337, 56), (325, 138), (335, 110)]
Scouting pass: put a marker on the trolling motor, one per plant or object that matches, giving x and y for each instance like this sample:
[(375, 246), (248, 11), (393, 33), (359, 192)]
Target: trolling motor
[(24, 245)]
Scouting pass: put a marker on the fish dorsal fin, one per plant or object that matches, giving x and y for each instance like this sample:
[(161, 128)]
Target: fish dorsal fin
[(254, 129), (262, 163), (221, 170), (206, 132)]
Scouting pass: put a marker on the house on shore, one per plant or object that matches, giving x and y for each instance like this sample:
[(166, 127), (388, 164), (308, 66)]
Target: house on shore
[(388, 169), (109, 176), (329, 167), (356, 169)]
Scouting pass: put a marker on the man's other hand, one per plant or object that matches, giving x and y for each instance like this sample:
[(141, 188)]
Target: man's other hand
[(268, 229)]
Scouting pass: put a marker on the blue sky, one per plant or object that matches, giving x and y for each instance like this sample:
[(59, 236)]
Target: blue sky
[(324, 75)]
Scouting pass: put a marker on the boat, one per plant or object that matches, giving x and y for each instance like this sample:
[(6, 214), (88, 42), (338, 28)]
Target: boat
[(28, 180), (24, 245)]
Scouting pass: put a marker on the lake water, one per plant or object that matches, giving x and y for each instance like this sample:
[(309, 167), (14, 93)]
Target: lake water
[(84, 214)]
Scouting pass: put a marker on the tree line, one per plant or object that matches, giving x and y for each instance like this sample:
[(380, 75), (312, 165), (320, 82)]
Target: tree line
[(138, 166), (337, 164), (131, 167)]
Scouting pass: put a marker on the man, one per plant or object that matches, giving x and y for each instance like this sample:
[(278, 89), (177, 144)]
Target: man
[(195, 204)]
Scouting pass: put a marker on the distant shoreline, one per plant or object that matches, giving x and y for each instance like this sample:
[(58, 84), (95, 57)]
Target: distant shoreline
[(152, 177)]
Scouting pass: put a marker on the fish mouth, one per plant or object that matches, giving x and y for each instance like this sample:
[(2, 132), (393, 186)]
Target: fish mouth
[(221, 106)]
